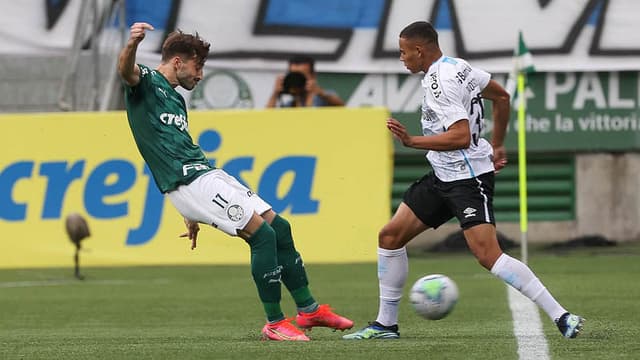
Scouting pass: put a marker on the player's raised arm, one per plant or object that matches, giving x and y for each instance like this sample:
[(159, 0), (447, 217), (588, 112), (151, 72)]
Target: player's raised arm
[(127, 68)]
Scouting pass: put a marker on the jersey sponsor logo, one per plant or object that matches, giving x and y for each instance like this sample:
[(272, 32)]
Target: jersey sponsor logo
[(469, 212), (177, 120), (194, 166), (461, 76), (429, 115), (434, 85), (472, 85), (235, 213)]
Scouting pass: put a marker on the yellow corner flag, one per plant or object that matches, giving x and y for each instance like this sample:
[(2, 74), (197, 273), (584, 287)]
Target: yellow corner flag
[(523, 64)]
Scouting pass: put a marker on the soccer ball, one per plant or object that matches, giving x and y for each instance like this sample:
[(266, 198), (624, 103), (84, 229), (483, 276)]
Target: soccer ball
[(434, 296)]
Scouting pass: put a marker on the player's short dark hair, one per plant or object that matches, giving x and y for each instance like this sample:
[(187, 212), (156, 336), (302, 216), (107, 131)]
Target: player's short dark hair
[(303, 59), (187, 45), (420, 30)]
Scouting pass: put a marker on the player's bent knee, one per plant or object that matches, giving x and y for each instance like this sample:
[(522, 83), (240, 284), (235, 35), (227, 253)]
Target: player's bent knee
[(269, 215), (252, 226), (389, 239)]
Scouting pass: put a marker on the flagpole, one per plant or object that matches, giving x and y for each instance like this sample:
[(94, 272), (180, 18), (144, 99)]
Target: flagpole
[(522, 165)]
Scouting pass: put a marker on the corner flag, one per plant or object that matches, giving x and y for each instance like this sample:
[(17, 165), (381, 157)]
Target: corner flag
[(522, 65)]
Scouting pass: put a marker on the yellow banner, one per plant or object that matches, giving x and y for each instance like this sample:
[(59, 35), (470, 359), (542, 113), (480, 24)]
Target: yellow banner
[(328, 171)]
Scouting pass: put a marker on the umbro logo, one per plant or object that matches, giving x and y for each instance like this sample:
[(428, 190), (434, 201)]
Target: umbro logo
[(469, 212)]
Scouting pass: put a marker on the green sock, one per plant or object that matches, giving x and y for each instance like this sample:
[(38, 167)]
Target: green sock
[(266, 271), (304, 301), (273, 311), (294, 277)]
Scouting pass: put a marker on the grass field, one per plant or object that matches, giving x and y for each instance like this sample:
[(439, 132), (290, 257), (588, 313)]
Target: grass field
[(212, 312)]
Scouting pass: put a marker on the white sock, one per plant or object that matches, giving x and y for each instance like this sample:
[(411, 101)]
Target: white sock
[(517, 274), (393, 267)]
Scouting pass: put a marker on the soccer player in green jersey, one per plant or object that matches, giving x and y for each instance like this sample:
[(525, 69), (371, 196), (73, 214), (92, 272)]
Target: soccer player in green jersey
[(157, 116)]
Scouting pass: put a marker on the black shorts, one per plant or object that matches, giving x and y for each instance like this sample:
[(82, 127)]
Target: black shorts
[(435, 202)]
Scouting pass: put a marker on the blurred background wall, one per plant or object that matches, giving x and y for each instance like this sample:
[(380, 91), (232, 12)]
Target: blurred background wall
[(582, 118)]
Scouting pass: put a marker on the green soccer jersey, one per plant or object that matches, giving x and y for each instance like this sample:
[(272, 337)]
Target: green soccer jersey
[(158, 119)]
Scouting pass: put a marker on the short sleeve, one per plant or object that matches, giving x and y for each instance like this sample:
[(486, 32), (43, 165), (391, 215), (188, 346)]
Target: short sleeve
[(482, 76), (145, 81)]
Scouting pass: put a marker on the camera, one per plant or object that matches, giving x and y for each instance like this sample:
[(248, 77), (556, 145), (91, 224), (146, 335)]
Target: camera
[(294, 83)]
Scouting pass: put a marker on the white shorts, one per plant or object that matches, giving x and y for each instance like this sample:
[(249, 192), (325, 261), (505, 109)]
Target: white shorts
[(218, 199)]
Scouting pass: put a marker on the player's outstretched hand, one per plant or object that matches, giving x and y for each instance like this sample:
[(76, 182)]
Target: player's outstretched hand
[(499, 158), (192, 231), (399, 131), (138, 31)]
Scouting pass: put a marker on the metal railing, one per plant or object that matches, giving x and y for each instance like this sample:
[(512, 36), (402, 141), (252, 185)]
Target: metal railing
[(90, 79)]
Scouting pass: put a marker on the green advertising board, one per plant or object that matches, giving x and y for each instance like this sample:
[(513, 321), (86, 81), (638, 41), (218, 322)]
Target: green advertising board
[(566, 112), (581, 112)]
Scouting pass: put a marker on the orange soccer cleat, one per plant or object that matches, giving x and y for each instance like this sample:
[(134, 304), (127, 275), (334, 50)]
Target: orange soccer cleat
[(323, 317), (283, 330)]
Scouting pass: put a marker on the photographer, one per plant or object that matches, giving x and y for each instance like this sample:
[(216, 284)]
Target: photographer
[(299, 87)]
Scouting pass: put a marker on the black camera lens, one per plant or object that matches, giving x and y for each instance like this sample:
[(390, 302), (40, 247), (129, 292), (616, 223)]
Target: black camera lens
[(294, 83)]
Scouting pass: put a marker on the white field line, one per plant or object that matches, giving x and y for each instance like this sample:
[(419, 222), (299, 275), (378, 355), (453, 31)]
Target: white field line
[(527, 327), (63, 282)]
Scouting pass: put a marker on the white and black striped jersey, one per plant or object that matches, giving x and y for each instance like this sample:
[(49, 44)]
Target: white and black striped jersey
[(452, 92)]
